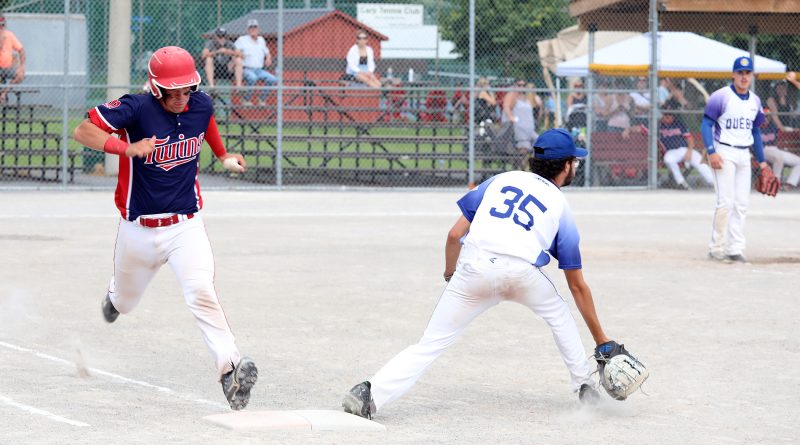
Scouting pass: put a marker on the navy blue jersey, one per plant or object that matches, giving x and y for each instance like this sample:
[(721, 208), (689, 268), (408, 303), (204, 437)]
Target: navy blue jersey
[(166, 180), (769, 134), (673, 135)]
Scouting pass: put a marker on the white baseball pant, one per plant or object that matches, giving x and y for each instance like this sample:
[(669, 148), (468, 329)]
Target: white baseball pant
[(481, 281), (732, 185), (139, 254), (675, 156), (780, 158)]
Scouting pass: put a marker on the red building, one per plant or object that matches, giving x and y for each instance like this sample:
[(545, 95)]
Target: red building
[(315, 45)]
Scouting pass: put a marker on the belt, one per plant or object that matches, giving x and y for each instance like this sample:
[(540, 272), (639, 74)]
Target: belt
[(165, 221), (729, 145)]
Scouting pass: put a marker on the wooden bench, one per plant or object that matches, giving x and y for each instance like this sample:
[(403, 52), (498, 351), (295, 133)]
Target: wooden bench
[(619, 161)]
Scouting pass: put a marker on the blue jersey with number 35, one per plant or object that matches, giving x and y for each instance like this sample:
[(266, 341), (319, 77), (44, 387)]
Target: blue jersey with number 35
[(524, 215)]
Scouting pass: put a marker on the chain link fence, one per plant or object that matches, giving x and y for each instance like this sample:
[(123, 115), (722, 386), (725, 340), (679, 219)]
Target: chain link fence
[(386, 94)]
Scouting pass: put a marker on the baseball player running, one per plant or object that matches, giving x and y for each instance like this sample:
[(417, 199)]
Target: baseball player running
[(159, 199), (730, 126), (510, 225)]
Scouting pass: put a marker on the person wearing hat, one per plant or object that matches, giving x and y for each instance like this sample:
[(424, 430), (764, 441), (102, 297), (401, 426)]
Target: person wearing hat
[(221, 59), (256, 60), (8, 71), (678, 145), (730, 127), (509, 229)]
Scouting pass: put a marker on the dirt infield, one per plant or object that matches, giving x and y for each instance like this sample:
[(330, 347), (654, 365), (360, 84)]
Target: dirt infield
[(322, 288)]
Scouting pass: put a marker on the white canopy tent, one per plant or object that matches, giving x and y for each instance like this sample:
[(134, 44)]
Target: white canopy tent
[(681, 54)]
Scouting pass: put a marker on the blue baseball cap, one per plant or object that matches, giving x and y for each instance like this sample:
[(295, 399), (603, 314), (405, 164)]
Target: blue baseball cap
[(557, 144), (743, 63)]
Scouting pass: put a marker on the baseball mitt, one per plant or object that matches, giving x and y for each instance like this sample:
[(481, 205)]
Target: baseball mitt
[(767, 183), (621, 374)]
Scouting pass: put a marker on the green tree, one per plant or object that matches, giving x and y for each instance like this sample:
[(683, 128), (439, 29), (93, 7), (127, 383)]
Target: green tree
[(506, 32)]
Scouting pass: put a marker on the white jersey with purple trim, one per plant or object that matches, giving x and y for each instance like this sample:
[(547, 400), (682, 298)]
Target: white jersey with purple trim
[(735, 116), (524, 215)]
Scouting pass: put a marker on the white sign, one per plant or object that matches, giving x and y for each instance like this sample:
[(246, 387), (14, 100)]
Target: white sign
[(377, 15)]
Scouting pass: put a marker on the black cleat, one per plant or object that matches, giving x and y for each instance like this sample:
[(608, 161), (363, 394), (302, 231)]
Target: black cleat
[(738, 258), (237, 384), (359, 401), (588, 395), (110, 313)]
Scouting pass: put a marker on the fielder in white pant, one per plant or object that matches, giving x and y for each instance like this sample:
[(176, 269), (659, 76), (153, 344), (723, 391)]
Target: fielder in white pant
[(730, 126), (510, 225)]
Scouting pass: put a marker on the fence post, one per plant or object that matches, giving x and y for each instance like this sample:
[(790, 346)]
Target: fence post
[(279, 102), (65, 89), (587, 172), (119, 60), (652, 180), (471, 117)]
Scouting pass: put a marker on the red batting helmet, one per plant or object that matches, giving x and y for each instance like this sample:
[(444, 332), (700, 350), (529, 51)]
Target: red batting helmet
[(169, 68)]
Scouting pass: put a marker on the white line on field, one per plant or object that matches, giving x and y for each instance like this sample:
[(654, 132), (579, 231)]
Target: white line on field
[(229, 215), (9, 401), (113, 376)]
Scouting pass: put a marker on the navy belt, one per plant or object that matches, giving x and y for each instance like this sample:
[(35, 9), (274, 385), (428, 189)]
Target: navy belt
[(729, 145)]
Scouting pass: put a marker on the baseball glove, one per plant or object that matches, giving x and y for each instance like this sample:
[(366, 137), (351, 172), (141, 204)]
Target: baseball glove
[(767, 183), (621, 374)]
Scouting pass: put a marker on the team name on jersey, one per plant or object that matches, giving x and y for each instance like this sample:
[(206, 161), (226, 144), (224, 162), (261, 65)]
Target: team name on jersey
[(667, 132), (741, 123), (168, 155)]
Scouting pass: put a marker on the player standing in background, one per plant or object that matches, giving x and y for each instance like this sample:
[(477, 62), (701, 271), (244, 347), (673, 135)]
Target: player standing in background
[(679, 146), (158, 196), (509, 224), (730, 126)]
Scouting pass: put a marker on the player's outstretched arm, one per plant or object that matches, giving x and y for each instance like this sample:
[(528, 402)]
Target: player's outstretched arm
[(452, 247), (583, 300)]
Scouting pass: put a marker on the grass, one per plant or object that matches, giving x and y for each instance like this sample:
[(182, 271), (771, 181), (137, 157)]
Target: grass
[(402, 152)]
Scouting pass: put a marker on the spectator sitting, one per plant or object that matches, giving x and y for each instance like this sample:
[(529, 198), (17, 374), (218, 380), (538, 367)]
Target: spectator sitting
[(8, 72), (678, 144), (536, 103), (641, 102), (256, 59), (221, 59), (602, 102), (576, 107), (669, 90), (619, 107), (485, 102), (778, 157), (778, 102), (361, 62)]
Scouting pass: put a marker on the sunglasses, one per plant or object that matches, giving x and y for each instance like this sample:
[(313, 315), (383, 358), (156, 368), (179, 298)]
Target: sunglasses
[(361, 38)]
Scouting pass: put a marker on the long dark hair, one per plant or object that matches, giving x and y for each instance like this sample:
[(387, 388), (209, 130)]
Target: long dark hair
[(547, 168)]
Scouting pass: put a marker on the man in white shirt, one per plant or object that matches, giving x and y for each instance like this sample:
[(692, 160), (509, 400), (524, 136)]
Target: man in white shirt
[(730, 127), (256, 59)]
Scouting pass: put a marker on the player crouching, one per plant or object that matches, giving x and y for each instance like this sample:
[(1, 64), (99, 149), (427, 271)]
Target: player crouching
[(510, 227)]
